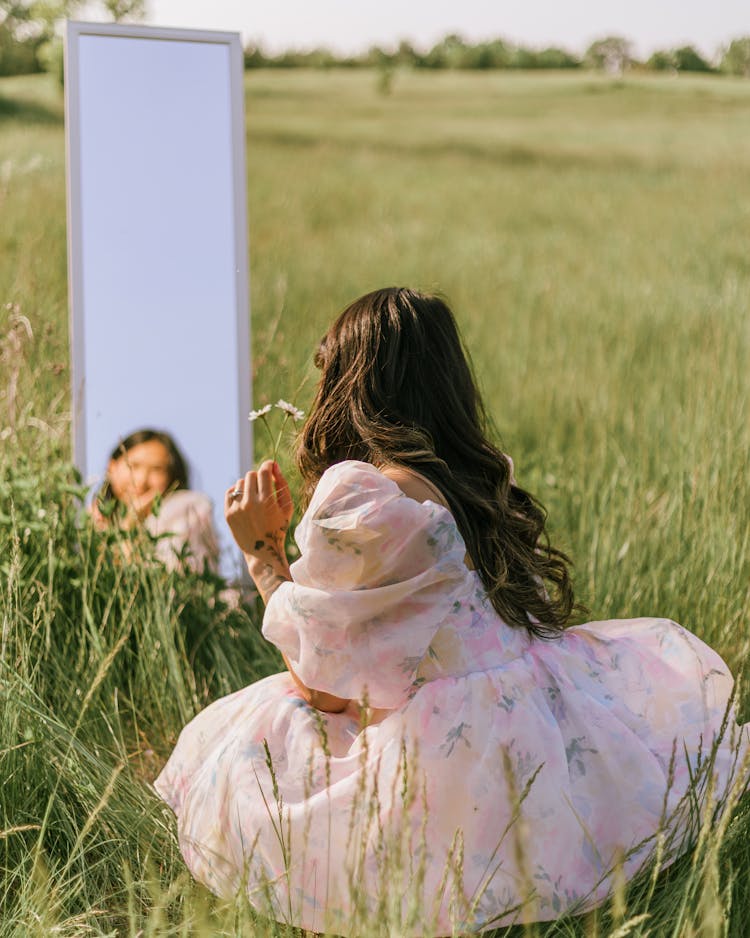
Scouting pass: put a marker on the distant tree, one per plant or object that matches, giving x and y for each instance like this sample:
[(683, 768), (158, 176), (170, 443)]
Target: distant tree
[(450, 52), (661, 61), (551, 57), (406, 54), (29, 40), (125, 9), (384, 81), (378, 57), (523, 58), (736, 57), (385, 64), (18, 52), (613, 54), (18, 57), (558, 58), (28, 31), (687, 59), (26, 18), (303, 58), (254, 56), (493, 54)]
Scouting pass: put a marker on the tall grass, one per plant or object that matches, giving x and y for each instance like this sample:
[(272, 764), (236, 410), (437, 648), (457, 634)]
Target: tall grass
[(591, 235)]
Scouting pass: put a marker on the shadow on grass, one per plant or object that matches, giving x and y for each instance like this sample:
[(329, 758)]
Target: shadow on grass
[(502, 154), (29, 112)]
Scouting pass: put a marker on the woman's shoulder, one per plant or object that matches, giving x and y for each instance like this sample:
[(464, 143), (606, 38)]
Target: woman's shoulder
[(361, 498), (185, 502), (414, 484), (187, 497), (361, 530), (389, 481)]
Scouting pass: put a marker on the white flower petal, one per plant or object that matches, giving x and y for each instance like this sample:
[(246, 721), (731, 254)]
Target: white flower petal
[(294, 412), (255, 414)]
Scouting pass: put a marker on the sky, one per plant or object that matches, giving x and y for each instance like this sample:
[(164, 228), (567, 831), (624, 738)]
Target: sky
[(353, 25)]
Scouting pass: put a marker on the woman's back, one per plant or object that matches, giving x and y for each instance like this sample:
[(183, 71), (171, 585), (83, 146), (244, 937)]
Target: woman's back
[(397, 389), (440, 742)]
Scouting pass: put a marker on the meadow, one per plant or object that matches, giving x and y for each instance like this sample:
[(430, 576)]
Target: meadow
[(592, 236)]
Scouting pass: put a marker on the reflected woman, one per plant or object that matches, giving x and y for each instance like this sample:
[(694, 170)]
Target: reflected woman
[(146, 467)]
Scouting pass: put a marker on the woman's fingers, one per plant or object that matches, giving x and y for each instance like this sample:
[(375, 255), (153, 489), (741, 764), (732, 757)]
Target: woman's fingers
[(250, 489), (265, 495), (230, 496), (265, 483), (273, 489), (283, 495)]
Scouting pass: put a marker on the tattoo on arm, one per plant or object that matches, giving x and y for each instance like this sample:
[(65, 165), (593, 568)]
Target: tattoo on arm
[(268, 581), (270, 567)]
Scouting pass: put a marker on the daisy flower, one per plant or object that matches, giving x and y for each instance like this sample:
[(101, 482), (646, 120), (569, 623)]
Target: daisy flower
[(257, 414), (294, 412)]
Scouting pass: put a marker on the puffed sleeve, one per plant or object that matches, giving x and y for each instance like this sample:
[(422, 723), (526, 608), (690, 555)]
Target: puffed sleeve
[(378, 574)]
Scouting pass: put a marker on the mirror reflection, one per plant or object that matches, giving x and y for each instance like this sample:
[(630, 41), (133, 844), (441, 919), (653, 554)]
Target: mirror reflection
[(158, 261), (148, 485)]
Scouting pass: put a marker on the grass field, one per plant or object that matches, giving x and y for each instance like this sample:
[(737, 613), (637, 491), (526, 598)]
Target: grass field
[(591, 234)]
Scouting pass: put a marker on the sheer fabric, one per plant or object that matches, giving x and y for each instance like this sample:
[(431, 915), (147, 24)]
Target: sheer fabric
[(479, 775)]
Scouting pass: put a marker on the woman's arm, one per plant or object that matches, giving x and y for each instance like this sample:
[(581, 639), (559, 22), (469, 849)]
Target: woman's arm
[(259, 521)]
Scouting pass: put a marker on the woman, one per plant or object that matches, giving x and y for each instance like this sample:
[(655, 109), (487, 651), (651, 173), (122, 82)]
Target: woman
[(145, 468), (442, 753)]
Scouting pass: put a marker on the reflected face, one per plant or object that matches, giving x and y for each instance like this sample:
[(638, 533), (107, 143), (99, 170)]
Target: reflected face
[(144, 469)]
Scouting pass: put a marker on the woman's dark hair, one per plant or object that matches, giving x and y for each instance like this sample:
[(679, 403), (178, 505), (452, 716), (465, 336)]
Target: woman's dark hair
[(178, 471), (397, 389)]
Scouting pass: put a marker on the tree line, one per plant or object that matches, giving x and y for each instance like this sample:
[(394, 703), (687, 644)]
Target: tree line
[(29, 42), (613, 54)]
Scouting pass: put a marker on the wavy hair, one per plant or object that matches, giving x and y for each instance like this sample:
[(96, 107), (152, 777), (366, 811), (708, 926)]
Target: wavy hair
[(397, 389)]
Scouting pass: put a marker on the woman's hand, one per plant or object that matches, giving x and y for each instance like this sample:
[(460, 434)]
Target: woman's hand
[(131, 512), (99, 521), (259, 520)]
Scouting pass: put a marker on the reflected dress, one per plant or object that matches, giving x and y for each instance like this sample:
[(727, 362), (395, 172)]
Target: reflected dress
[(184, 530), (480, 776)]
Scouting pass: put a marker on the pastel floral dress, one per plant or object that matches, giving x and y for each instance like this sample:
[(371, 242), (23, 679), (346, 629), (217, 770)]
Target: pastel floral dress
[(185, 531), (479, 777)]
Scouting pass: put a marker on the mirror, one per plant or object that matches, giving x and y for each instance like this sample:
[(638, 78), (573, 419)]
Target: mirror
[(157, 248)]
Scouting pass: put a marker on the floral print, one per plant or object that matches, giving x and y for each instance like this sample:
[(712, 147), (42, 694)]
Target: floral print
[(507, 775)]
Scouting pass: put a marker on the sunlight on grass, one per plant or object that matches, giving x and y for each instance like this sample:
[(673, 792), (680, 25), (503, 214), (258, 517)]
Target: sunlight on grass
[(592, 237)]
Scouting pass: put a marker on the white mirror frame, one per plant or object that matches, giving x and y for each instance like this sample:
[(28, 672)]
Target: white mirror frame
[(224, 333)]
